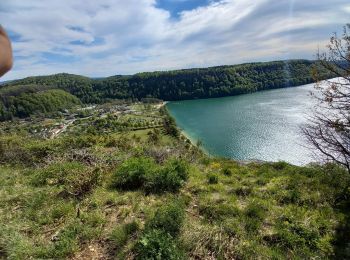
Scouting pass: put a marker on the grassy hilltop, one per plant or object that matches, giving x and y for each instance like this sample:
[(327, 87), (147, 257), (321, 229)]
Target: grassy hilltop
[(119, 181)]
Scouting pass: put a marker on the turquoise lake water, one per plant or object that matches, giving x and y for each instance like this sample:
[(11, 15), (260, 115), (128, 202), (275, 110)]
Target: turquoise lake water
[(259, 126)]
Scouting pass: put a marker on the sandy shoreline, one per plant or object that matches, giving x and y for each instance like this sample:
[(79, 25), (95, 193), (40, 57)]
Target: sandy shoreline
[(159, 106), (193, 141)]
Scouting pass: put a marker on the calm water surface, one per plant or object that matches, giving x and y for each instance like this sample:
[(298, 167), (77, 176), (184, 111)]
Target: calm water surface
[(263, 125)]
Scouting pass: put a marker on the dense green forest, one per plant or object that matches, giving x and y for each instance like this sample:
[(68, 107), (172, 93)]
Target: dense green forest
[(171, 85), (210, 82), (182, 84), (23, 101)]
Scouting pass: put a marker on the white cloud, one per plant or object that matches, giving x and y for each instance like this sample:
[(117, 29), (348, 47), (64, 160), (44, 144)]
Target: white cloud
[(107, 37), (347, 9)]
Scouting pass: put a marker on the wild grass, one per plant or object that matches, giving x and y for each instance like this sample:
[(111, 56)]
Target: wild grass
[(129, 198)]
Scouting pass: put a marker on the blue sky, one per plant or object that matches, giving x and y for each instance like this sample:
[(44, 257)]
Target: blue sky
[(175, 7), (109, 37)]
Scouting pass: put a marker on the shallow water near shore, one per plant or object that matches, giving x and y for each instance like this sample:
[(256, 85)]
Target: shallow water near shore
[(260, 126)]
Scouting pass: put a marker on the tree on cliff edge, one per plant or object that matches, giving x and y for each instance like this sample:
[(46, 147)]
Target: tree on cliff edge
[(329, 127)]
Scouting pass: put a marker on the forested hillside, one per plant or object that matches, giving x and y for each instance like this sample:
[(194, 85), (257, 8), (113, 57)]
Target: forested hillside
[(23, 101), (182, 84), (77, 85)]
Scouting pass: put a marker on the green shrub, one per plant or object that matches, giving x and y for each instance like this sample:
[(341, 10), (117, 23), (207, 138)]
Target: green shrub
[(120, 235), (170, 126), (156, 244), (232, 227), (154, 136), (131, 227), (243, 191), (252, 225), (301, 241), (227, 171), (168, 218), (75, 179), (82, 184), (294, 236), (62, 210), (262, 181), (205, 160), (144, 173), (255, 210), (56, 174), (171, 177), (280, 165), (12, 150), (81, 141), (290, 196), (298, 230), (132, 173), (162, 181), (179, 166), (255, 214), (213, 179), (218, 212), (111, 142), (39, 150)]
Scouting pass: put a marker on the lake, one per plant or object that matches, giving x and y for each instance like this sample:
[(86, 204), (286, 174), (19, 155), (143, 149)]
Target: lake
[(260, 126)]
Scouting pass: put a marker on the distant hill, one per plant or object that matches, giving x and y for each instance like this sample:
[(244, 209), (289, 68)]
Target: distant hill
[(181, 84), (23, 101), (77, 85), (168, 85)]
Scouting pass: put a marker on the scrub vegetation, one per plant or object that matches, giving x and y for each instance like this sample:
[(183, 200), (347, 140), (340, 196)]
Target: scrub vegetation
[(103, 191)]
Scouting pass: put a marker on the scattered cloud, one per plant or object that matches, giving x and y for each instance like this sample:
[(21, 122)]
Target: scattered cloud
[(108, 37)]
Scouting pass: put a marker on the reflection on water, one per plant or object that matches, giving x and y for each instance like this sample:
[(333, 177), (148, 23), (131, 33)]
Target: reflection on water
[(263, 125)]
